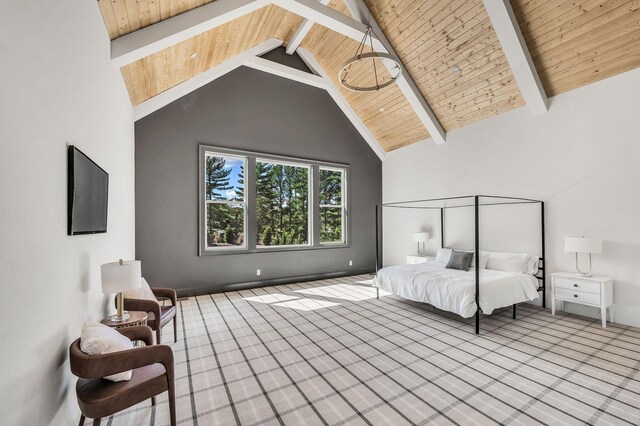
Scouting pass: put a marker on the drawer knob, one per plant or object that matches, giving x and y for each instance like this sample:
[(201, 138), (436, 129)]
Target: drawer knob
[(575, 285), (575, 295)]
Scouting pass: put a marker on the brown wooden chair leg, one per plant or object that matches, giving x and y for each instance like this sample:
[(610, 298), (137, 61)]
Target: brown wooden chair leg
[(175, 329), (158, 333), (153, 400), (172, 404), (82, 418), (96, 422)]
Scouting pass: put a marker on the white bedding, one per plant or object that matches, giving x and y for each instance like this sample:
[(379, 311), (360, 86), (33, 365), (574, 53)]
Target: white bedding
[(453, 290)]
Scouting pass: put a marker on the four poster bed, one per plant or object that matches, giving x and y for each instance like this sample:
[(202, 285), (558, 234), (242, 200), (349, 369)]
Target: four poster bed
[(507, 278)]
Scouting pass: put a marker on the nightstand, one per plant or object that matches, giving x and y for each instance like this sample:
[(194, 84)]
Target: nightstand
[(412, 260), (591, 291)]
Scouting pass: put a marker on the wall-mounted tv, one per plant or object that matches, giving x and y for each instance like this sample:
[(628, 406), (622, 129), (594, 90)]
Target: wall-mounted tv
[(88, 193)]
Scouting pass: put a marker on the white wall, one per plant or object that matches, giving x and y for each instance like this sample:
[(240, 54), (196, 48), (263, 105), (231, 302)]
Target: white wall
[(57, 87), (581, 157)]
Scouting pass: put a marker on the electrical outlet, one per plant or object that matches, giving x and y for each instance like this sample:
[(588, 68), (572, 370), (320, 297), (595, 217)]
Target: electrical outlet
[(258, 272), (351, 263)]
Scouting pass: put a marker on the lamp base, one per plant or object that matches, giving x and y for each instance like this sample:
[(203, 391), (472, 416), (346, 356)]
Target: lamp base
[(117, 318), (585, 273)]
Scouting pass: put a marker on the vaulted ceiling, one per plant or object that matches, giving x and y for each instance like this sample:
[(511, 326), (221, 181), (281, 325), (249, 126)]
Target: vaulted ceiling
[(449, 50)]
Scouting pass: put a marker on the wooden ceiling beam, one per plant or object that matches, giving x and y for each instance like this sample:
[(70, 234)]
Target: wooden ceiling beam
[(301, 33), (285, 71), (515, 49), (342, 103), (330, 18), (176, 92), (163, 34), (154, 38), (251, 59), (358, 9)]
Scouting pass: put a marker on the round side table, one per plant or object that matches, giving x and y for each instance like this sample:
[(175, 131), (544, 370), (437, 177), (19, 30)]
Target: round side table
[(135, 318)]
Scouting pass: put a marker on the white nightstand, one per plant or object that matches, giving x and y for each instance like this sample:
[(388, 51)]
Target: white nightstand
[(412, 260), (592, 291)]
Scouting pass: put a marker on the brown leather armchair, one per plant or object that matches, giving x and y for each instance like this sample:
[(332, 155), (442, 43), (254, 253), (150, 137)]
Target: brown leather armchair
[(152, 374), (159, 315)]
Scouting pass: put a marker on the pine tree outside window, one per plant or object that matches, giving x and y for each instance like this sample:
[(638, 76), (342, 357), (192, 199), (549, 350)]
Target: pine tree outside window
[(225, 200), (252, 202), (282, 204), (332, 209)]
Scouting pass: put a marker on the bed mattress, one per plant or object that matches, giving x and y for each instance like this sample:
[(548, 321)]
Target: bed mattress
[(453, 290)]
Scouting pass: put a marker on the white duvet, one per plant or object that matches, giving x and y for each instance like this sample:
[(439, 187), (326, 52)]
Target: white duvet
[(453, 290)]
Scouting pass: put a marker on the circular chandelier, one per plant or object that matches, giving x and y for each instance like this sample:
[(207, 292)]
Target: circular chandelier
[(392, 65)]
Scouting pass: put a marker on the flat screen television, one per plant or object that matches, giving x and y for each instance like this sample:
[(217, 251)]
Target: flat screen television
[(88, 193)]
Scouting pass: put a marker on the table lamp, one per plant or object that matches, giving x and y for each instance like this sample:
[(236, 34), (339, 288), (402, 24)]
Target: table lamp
[(583, 245), (118, 277), (421, 238)]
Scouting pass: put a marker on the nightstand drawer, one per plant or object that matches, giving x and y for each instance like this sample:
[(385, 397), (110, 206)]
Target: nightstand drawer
[(577, 285), (577, 296)]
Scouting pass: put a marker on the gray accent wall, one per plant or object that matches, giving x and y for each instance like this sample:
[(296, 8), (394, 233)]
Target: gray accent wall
[(280, 56), (254, 111)]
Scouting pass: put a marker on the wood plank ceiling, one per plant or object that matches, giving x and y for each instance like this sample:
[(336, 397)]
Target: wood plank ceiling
[(575, 43), (156, 73), (572, 44), (396, 126), (431, 37)]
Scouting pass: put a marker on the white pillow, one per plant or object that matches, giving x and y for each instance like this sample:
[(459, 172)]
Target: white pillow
[(443, 256), (484, 258), (532, 265), (98, 339), (508, 262), (142, 292)]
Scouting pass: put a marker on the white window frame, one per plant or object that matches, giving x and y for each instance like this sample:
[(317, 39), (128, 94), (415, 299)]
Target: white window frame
[(250, 209), (309, 203), (342, 206), (244, 202)]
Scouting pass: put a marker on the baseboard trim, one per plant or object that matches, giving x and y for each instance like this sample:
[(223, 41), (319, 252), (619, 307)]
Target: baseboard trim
[(199, 291)]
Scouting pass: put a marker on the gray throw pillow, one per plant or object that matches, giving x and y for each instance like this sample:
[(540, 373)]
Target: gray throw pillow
[(460, 260)]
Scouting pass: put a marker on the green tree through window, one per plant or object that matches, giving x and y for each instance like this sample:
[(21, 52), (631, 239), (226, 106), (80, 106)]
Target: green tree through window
[(225, 201), (279, 204), (282, 204), (331, 206)]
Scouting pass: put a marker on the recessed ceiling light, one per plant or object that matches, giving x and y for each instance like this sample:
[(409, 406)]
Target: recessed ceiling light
[(381, 110), (455, 69), (194, 55)]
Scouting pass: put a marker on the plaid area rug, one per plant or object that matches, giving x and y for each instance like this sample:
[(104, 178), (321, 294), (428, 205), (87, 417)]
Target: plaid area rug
[(327, 352)]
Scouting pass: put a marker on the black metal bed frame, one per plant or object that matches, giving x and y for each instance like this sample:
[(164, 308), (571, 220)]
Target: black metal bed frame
[(476, 205)]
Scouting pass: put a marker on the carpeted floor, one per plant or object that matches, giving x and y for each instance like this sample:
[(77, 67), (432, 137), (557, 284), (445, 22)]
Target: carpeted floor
[(328, 352)]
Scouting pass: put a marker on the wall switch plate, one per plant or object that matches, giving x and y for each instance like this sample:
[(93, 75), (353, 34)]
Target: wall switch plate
[(258, 272), (351, 263)]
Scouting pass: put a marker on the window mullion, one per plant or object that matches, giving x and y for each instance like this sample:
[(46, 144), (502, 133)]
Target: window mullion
[(315, 206), (314, 209), (250, 197)]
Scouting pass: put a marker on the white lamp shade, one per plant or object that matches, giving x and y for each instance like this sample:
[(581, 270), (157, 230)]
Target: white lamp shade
[(117, 278), (421, 237), (583, 245)]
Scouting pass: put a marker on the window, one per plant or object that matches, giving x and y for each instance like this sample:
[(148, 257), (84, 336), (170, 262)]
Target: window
[(332, 211), (253, 203), (225, 201), (282, 204)]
